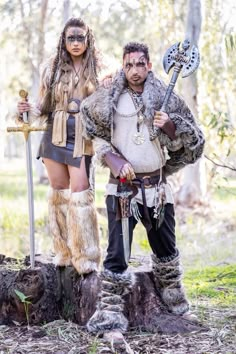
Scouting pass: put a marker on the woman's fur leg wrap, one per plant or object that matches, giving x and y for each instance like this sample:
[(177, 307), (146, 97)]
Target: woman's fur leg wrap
[(168, 277), (57, 210), (109, 314), (83, 235)]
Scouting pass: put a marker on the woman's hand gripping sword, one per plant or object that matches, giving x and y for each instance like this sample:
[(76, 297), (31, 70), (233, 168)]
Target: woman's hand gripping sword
[(26, 128)]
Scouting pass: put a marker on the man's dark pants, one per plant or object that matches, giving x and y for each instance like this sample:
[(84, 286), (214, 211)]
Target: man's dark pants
[(161, 240)]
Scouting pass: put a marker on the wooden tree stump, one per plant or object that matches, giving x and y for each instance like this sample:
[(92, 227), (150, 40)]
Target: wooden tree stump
[(60, 292)]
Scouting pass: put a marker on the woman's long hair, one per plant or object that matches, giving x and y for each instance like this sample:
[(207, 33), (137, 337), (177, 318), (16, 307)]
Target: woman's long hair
[(88, 73)]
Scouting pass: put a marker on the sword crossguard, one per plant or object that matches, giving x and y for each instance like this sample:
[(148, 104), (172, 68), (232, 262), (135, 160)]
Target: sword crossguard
[(25, 128)]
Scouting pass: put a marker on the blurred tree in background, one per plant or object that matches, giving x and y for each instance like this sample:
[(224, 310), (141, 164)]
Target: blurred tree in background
[(30, 31)]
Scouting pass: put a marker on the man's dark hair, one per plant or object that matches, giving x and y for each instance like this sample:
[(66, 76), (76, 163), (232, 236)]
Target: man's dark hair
[(132, 47)]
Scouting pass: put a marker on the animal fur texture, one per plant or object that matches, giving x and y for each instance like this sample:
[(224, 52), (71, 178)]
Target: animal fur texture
[(83, 234), (58, 201), (97, 115), (109, 313), (167, 276)]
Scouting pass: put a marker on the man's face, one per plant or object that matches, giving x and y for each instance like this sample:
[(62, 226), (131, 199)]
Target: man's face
[(136, 68)]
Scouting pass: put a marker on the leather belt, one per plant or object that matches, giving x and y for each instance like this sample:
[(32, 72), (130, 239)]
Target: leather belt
[(73, 105), (143, 181)]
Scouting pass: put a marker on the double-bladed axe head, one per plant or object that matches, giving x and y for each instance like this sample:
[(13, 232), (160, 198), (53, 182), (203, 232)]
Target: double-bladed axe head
[(185, 59)]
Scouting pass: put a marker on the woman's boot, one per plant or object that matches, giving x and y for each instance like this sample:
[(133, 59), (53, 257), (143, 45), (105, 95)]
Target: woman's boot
[(83, 235), (57, 210)]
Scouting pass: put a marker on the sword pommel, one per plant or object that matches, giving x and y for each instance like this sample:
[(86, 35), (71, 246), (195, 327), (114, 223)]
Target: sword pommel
[(23, 94)]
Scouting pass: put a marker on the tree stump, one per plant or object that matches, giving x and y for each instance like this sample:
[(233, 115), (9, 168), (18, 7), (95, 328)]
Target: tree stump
[(60, 292)]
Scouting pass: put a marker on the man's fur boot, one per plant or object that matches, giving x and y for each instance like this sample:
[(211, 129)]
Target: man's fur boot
[(109, 313), (57, 210), (167, 276), (83, 235)]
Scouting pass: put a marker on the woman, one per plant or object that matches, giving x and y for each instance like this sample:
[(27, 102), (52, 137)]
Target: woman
[(68, 78)]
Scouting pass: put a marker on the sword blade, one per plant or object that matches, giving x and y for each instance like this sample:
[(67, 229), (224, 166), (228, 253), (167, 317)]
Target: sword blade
[(30, 199), (125, 234)]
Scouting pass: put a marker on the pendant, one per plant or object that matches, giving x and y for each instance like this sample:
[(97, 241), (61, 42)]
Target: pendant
[(138, 139), (140, 118), (76, 80)]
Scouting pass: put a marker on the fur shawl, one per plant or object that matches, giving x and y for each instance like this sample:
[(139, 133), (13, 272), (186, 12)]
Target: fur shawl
[(97, 116)]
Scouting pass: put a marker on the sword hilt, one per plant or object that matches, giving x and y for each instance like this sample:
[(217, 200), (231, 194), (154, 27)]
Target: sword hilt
[(25, 128), (24, 94)]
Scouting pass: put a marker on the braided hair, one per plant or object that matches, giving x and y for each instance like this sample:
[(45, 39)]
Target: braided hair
[(89, 70)]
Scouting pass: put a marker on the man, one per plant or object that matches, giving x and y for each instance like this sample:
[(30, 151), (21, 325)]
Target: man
[(140, 145)]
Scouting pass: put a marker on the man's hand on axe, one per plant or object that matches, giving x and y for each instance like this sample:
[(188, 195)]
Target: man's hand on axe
[(162, 121)]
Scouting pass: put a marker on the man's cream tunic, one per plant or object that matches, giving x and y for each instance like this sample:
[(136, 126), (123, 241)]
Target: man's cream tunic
[(144, 158)]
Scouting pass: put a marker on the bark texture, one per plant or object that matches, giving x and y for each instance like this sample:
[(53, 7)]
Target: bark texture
[(60, 292)]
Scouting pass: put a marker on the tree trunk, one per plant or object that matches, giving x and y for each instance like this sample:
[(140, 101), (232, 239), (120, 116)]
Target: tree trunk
[(193, 188), (60, 292)]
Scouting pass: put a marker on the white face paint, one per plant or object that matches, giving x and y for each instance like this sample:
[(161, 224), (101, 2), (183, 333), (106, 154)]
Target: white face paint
[(136, 69)]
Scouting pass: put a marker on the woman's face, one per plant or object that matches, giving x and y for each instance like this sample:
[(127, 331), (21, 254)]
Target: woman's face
[(76, 41)]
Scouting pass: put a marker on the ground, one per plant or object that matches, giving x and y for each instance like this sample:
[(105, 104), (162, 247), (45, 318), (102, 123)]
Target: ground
[(61, 337), (206, 239)]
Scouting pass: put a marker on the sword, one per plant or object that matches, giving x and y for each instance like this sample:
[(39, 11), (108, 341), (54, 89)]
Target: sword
[(124, 202), (26, 129)]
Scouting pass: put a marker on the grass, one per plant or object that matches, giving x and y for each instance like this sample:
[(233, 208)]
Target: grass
[(216, 285), (205, 237)]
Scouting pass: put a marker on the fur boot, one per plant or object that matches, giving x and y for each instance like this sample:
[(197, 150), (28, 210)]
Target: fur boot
[(109, 313), (57, 210), (83, 235), (167, 276)]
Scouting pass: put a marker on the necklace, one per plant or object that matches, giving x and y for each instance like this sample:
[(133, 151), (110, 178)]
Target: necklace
[(128, 115), (138, 137), (76, 76)]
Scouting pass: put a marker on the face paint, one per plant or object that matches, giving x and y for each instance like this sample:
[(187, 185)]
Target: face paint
[(71, 39), (75, 35), (138, 63), (136, 69), (76, 41)]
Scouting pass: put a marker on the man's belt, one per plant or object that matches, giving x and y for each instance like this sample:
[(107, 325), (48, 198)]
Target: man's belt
[(143, 181), (147, 179)]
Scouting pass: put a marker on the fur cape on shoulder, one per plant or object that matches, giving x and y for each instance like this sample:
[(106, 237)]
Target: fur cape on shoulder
[(97, 115)]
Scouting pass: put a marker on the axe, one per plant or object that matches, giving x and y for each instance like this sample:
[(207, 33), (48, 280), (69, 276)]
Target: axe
[(182, 59)]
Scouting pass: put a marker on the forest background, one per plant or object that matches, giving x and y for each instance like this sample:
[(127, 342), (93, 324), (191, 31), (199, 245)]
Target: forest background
[(204, 193)]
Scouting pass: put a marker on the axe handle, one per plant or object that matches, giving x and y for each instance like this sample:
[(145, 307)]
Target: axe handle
[(170, 87)]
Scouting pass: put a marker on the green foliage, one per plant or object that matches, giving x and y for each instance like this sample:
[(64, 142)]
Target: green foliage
[(23, 298), (222, 124), (214, 284), (94, 347), (230, 42)]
